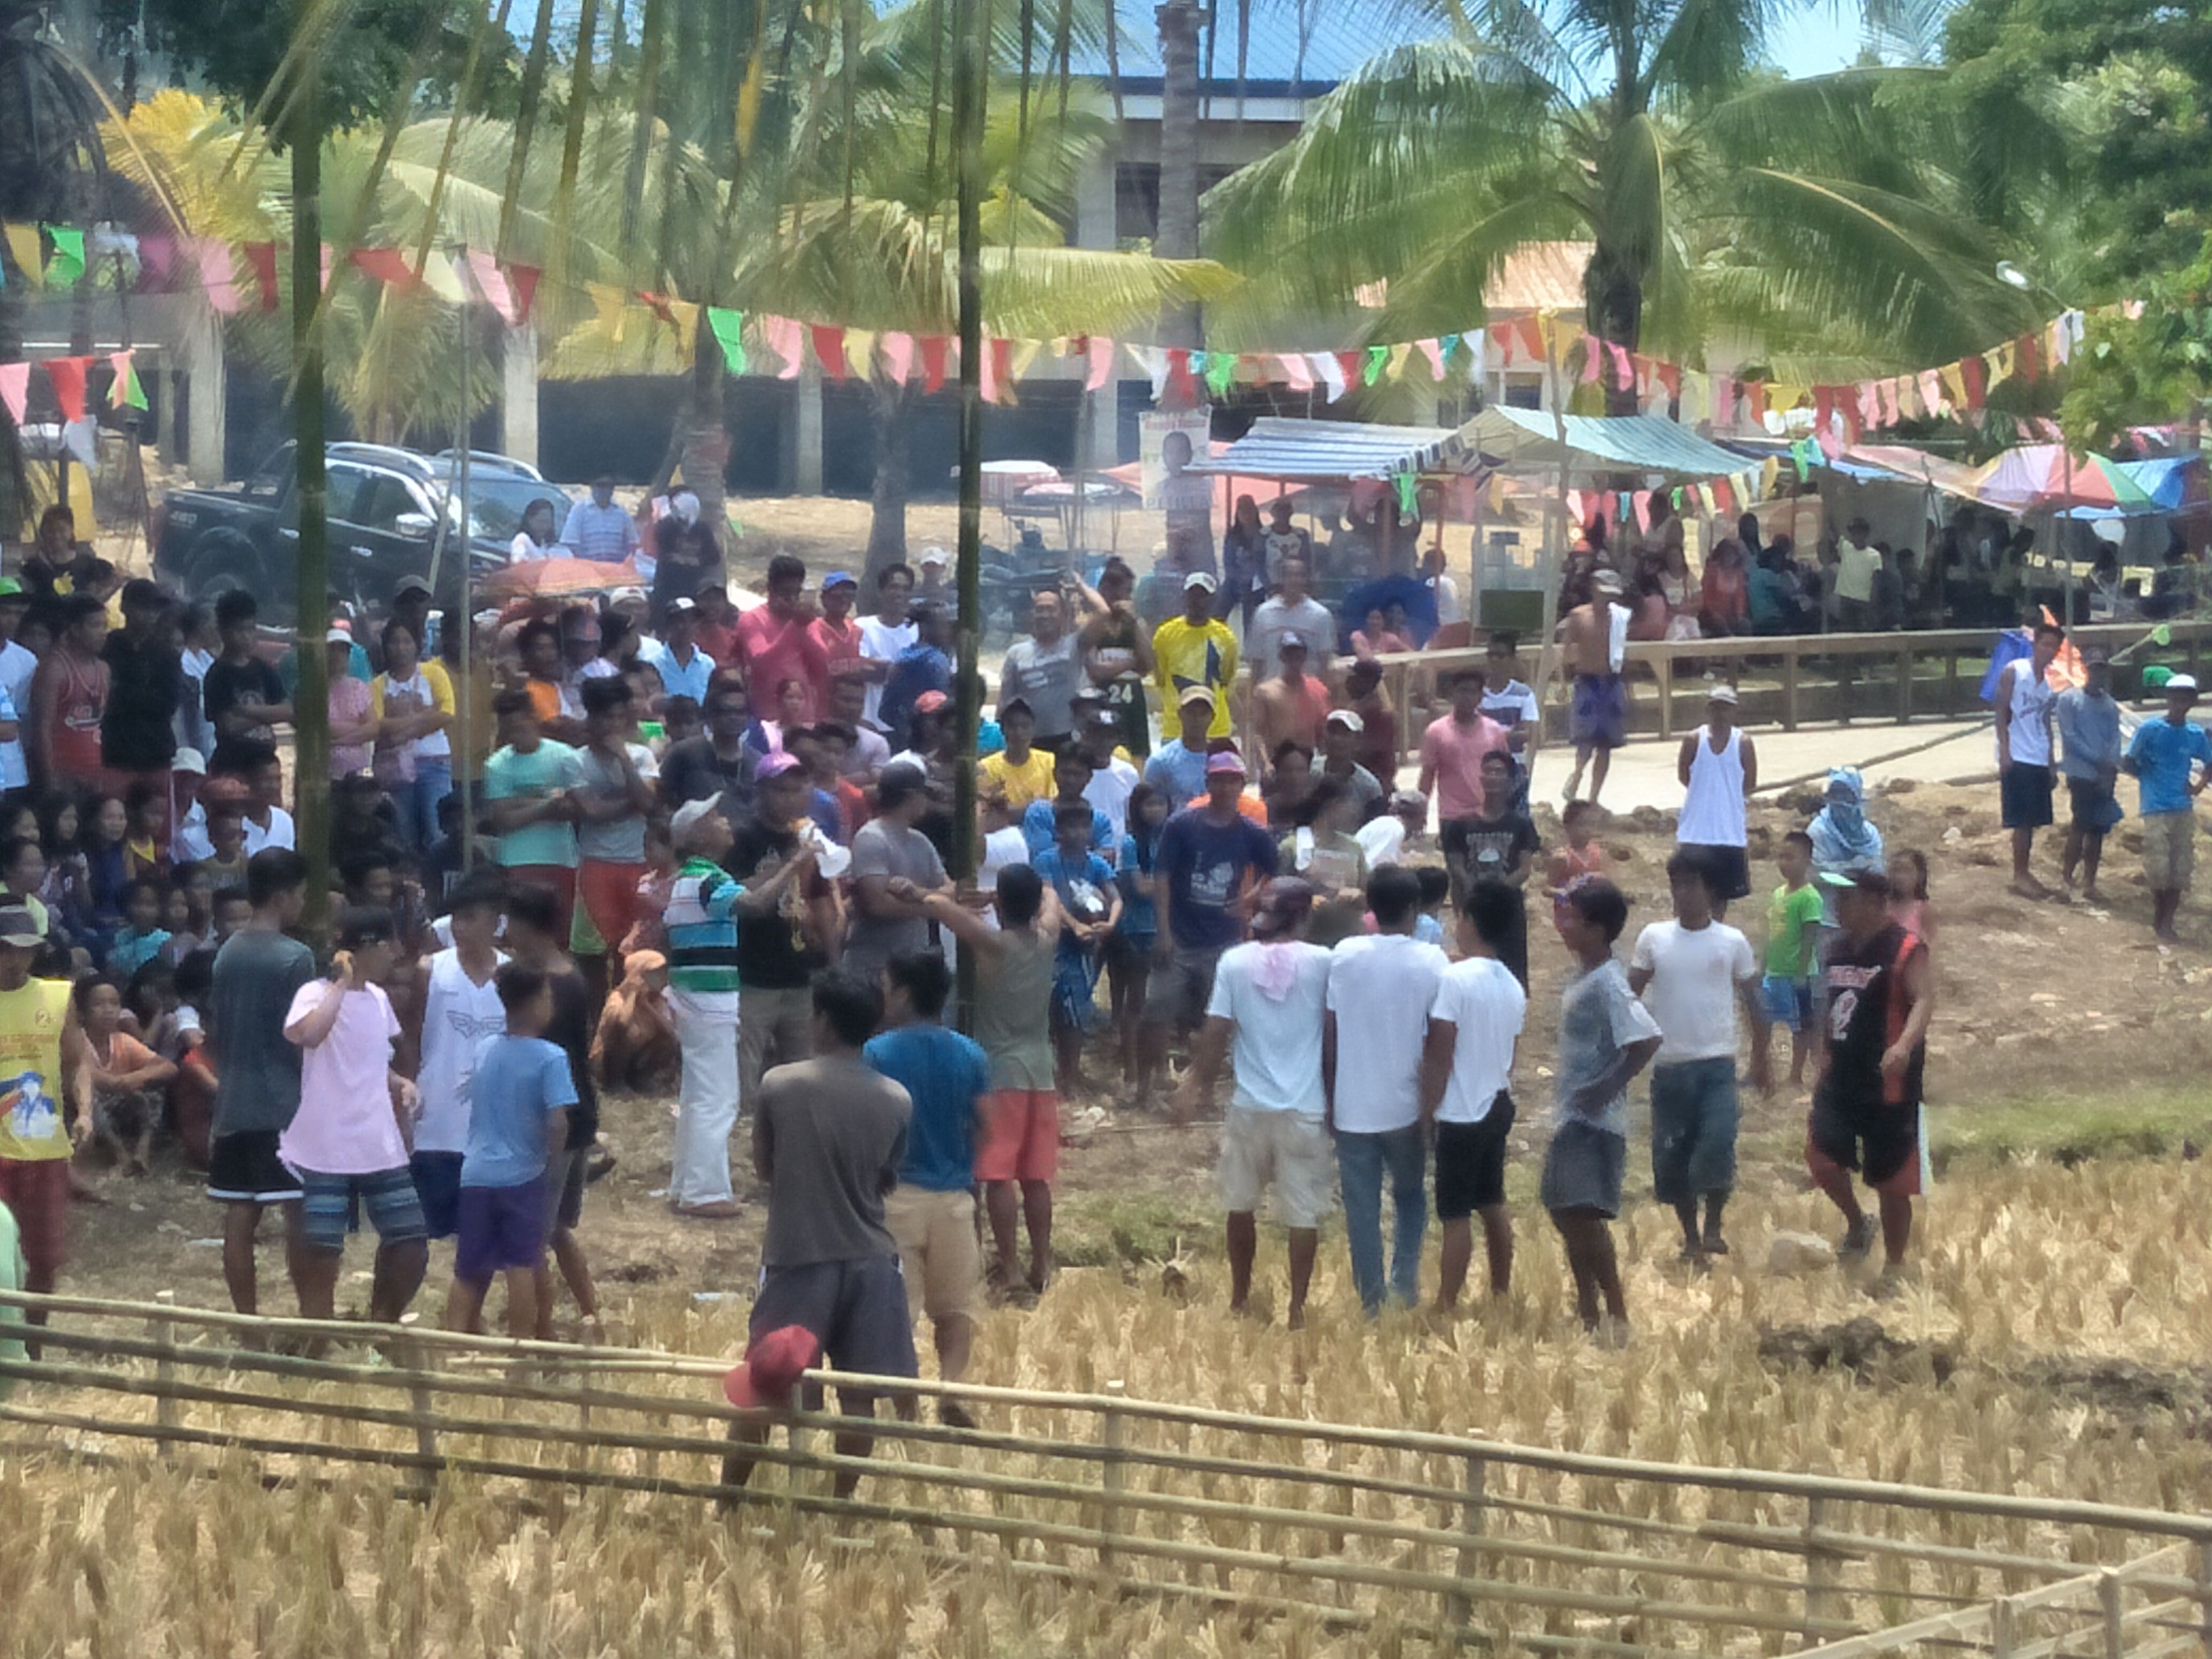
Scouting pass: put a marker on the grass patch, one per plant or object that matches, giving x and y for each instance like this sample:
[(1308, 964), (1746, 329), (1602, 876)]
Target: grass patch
[(1113, 1230), (2068, 1130)]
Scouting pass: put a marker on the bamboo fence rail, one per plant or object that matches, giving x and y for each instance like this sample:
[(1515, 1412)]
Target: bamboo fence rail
[(1457, 1541)]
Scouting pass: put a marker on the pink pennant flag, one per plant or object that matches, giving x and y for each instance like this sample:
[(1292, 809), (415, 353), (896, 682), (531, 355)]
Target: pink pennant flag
[(1297, 372), (1892, 405), (1723, 399), (1434, 351), (1330, 368), (157, 251), (1624, 376), (1831, 444), (492, 285), (1591, 357), (1575, 508), (1931, 390), (1641, 501), (1870, 403), (990, 374), (898, 356), (782, 335), (15, 390), (1100, 369), (218, 274)]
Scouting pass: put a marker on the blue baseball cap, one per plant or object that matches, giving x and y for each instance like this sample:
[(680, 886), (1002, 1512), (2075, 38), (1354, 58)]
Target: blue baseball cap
[(840, 579)]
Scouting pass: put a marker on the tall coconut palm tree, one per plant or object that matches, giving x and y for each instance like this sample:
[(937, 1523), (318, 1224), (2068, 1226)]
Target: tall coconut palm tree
[(1847, 209)]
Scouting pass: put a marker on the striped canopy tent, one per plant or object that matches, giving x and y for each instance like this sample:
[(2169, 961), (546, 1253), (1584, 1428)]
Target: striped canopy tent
[(2042, 477), (1280, 447), (1520, 439)]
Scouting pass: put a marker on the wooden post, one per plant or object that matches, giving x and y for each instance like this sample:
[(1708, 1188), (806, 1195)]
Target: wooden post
[(1950, 681), (2204, 1545), (2001, 1628), (159, 1331), (1461, 1608), (1904, 685), (1819, 1570), (793, 1473), (415, 1356), (2109, 1589), (1663, 671), (1789, 687), (1112, 1428)]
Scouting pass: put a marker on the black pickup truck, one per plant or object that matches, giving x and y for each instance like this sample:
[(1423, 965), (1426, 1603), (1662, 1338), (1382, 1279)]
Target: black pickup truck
[(384, 508)]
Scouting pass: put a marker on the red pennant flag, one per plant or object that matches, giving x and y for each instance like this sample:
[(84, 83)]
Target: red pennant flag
[(934, 348), (2028, 358), (1851, 411), (657, 304), (261, 257), (1823, 407), (1724, 496), (68, 375), (1183, 390), (1670, 376), (388, 265), (1002, 368), (829, 349), (1973, 372), (523, 279), (1354, 365)]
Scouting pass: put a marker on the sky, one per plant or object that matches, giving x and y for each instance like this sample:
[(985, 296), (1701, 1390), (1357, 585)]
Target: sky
[(1819, 43)]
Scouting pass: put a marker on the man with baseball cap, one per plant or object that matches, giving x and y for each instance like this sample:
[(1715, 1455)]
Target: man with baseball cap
[(839, 649), (1194, 650), (2088, 718), (2170, 760), (1208, 854), (1289, 707), (701, 918), (1339, 746), (45, 1108), (828, 1142), (1177, 767), (1877, 996)]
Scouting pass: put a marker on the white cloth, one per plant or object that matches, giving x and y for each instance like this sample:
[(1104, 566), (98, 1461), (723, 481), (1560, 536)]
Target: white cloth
[(1001, 848), (882, 642), (1449, 608), (459, 1017), (1277, 1047), (1380, 986), (280, 832), (1856, 569), (707, 1108), (1616, 636), (2031, 697), (522, 550), (1692, 993), (190, 844), (1712, 807), (1485, 1007), (1109, 792), (1381, 839)]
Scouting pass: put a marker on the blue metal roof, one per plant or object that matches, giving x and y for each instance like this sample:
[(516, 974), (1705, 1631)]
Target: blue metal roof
[(1298, 48), (1280, 447)]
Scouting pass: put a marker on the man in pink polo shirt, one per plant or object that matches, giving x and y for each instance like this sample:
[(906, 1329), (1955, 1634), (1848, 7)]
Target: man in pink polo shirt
[(1452, 750), (775, 639)]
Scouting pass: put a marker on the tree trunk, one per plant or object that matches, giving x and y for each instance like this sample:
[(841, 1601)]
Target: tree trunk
[(311, 766), (706, 441), (892, 410), (1177, 237)]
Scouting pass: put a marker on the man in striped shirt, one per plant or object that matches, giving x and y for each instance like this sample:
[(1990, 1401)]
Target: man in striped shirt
[(702, 919)]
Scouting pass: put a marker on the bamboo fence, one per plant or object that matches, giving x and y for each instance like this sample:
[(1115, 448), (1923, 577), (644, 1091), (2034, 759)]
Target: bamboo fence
[(1458, 1540)]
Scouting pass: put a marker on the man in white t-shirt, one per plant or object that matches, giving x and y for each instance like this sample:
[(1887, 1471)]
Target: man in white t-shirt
[(1474, 1022), (1380, 987), (1858, 562), (1691, 973), (459, 1011), (886, 634), (1270, 996), (18, 665)]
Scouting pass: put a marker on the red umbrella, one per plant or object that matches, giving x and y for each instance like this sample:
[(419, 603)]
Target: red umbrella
[(560, 578)]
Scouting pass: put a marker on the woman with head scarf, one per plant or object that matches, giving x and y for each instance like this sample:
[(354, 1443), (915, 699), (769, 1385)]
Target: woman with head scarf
[(1844, 841)]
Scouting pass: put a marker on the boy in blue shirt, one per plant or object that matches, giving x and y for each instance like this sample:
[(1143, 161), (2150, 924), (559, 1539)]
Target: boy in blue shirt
[(931, 1213), (1092, 904), (1072, 775), (2166, 749), (518, 1102)]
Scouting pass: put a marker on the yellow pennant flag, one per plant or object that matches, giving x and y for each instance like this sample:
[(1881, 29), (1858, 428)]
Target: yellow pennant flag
[(1954, 384), (443, 281), (1399, 354), (860, 352), (23, 243), (1769, 470), (1024, 353), (609, 303), (1999, 362)]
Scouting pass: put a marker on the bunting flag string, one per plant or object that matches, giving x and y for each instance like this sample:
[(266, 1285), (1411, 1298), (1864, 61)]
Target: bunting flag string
[(124, 389), (15, 390)]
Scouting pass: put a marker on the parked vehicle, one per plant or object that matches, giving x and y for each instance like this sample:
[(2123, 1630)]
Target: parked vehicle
[(385, 505)]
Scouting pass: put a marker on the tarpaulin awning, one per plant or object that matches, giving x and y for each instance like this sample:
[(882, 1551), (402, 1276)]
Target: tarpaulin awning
[(1280, 446), (1519, 438), (2171, 481), (1917, 466)]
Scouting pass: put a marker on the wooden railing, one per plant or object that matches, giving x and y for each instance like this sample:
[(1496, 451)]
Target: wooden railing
[(1452, 1539)]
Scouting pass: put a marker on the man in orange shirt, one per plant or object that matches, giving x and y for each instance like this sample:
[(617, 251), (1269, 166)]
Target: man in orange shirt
[(836, 636)]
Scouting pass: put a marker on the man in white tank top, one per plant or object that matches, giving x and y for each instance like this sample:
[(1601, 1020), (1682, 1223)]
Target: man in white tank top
[(1719, 768), (2026, 776)]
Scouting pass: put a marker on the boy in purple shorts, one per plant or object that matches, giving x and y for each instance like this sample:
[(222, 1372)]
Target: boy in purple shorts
[(520, 1098)]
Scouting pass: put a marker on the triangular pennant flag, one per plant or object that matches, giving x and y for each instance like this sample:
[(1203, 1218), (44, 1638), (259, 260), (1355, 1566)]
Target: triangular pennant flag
[(729, 333), (69, 256), (68, 375), (124, 388), (157, 251), (442, 275), (1182, 388), (1624, 374), (1154, 362), (1330, 367), (1823, 407), (1641, 502), (898, 356), (1931, 391), (1999, 360), (829, 342), (492, 284), (1353, 370), (218, 275), (1020, 355), (1401, 355), (1221, 370), (998, 367), (1973, 378), (15, 390), (1100, 368), (261, 257), (1477, 344), (1371, 370), (1297, 372), (80, 437), (1723, 497), (24, 248), (781, 335), (523, 279), (2027, 356), (388, 265), (1851, 422), (935, 349), (609, 303), (860, 352), (1446, 344), (1593, 360), (1434, 351), (987, 377), (1670, 380)]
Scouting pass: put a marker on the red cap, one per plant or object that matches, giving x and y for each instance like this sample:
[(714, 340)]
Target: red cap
[(771, 1368), (930, 701)]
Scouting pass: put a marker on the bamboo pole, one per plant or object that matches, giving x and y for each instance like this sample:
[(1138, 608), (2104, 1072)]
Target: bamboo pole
[(165, 1368), (1111, 1428)]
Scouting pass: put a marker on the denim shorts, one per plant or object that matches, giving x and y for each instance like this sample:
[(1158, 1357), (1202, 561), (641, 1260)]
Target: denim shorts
[(1788, 1001)]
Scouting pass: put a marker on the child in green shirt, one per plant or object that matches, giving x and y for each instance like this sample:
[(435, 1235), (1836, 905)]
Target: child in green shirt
[(1793, 948)]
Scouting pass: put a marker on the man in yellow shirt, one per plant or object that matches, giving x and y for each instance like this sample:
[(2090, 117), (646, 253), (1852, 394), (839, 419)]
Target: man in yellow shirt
[(45, 1099), (1024, 772), (1195, 650)]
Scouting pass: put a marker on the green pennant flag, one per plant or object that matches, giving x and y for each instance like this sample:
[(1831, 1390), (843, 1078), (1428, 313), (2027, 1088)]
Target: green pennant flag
[(1802, 453), (68, 263), (126, 387), (1378, 358), (1675, 500), (1221, 370), (1407, 502), (729, 330)]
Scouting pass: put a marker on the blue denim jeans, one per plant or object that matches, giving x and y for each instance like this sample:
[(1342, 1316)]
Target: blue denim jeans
[(1361, 1161)]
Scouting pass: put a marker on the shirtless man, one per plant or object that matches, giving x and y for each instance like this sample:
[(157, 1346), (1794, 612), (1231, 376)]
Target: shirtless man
[(1291, 706), (1598, 718)]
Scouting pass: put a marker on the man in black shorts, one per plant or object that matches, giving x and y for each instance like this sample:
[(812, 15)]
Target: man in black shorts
[(1473, 1023), (1876, 997), (829, 1136)]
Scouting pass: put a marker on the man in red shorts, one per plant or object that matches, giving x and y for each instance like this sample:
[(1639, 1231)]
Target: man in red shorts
[(1877, 997), (46, 1101)]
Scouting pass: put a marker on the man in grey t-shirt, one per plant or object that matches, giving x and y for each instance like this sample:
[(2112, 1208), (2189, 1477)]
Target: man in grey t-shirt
[(1292, 610), (894, 867), (1045, 670), (828, 1141), (257, 974)]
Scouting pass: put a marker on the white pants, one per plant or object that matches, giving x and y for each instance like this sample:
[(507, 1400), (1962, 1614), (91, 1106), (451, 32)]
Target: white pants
[(707, 1108)]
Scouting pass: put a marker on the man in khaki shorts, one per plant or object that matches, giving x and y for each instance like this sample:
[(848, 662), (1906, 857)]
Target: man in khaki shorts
[(931, 1211), (1271, 996), (2166, 751)]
